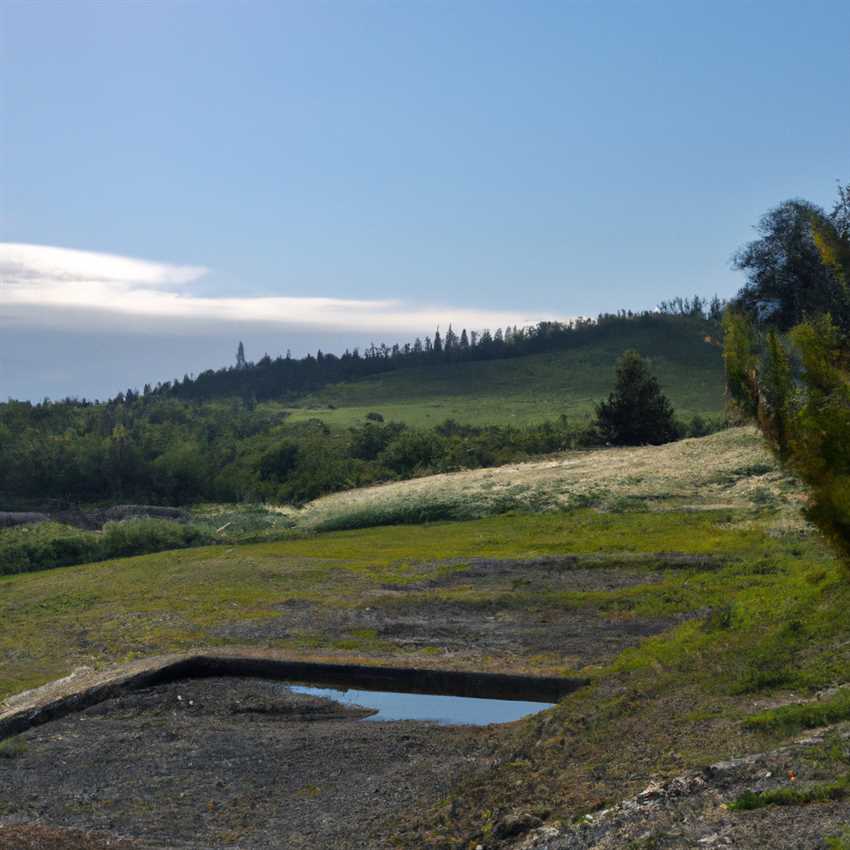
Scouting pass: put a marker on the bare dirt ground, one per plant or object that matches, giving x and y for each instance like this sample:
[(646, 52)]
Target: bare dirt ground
[(408, 617), (226, 763)]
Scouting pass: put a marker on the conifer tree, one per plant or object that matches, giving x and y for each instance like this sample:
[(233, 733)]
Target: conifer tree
[(637, 412)]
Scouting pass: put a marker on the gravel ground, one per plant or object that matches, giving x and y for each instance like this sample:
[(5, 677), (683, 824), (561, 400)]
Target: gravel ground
[(233, 763)]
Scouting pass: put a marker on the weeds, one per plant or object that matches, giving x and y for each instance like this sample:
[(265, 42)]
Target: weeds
[(821, 792), (794, 718), (12, 748)]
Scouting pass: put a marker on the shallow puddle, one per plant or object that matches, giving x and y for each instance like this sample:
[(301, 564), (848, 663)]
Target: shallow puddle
[(434, 707)]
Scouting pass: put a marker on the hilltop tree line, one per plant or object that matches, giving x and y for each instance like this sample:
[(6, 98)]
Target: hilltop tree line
[(285, 377), (158, 447), (787, 349)]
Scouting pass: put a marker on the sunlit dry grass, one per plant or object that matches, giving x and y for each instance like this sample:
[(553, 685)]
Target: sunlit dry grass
[(731, 469)]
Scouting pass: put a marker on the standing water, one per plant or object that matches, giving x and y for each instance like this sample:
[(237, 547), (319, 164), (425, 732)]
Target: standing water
[(438, 708)]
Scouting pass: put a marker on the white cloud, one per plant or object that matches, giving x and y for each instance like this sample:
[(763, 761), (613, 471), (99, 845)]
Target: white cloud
[(45, 286)]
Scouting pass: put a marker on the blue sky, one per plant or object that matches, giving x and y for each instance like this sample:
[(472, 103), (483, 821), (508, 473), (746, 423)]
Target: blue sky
[(468, 161)]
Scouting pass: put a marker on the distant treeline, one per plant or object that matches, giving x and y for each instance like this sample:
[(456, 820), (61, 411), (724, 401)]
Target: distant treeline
[(286, 378), (168, 451), (180, 444)]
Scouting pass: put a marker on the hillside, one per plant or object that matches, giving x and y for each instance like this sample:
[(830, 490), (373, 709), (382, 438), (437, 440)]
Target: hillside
[(187, 443), (679, 580), (532, 388), (728, 470)]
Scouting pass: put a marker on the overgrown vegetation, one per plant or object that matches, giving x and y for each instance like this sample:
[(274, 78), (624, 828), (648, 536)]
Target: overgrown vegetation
[(155, 448), (789, 719), (787, 350), (44, 545), (820, 792)]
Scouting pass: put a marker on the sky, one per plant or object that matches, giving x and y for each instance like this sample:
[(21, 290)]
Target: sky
[(179, 175)]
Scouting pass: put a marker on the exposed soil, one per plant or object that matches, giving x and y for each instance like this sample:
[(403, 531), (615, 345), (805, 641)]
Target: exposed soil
[(692, 810), (227, 763), (414, 617)]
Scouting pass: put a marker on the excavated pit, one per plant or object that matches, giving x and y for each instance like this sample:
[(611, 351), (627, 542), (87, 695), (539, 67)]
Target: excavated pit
[(225, 761)]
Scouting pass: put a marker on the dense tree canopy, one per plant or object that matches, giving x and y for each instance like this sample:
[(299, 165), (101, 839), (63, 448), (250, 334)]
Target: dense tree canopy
[(796, 385), (787, 278)]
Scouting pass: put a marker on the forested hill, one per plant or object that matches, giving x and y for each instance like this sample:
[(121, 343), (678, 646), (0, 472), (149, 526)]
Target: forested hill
[(289, 430), (680, 331)]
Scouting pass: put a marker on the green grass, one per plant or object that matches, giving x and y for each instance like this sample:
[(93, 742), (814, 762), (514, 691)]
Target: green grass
[(106, 612), (838, 842), (794, 718), (530, 389), (766, 617), (821, 792)]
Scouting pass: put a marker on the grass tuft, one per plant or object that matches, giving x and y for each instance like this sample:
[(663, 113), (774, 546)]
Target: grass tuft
[(789, 719), (822, 792)]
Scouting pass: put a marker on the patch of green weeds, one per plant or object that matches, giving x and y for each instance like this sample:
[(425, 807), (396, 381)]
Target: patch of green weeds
[(821, 792), (789, 719), (13, 748), (838, 842)]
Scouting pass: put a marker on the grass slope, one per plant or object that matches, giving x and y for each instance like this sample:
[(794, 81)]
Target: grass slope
[(764, 625), (728, 470), (530, 389)]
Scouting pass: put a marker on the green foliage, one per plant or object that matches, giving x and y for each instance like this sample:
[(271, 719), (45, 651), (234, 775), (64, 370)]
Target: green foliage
[(13, 748), (139, 536), (810, 715), (807, 420), (839, 842), (155, 448), (279, 462), (637, 412), (791, 268), (740, 357), (822, 792), (413, 451), (46, 545), (797, 387)]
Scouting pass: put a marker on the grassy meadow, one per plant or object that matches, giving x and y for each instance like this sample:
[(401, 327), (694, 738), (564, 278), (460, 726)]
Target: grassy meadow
[(756, 620), (527, 390)]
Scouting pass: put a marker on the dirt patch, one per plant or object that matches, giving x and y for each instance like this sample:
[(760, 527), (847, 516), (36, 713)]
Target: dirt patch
[(231, 762), (421, 615), (693, 810), (38, 837)]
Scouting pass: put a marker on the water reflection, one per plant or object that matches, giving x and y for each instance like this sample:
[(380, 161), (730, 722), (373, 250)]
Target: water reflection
[(433, 707)]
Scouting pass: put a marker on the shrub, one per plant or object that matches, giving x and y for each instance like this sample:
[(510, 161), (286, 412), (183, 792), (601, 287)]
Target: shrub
[(138, 536), (637, 412), (413, 451)]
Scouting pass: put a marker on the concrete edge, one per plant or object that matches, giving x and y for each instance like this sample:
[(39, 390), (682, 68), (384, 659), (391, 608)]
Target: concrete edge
[(79, 692)]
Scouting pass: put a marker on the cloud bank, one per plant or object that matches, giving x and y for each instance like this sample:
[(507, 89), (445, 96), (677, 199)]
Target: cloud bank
[(49, 287)]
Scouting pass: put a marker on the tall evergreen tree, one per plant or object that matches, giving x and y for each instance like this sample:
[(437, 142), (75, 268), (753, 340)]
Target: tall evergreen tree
[(240, 356), (636, 412)]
